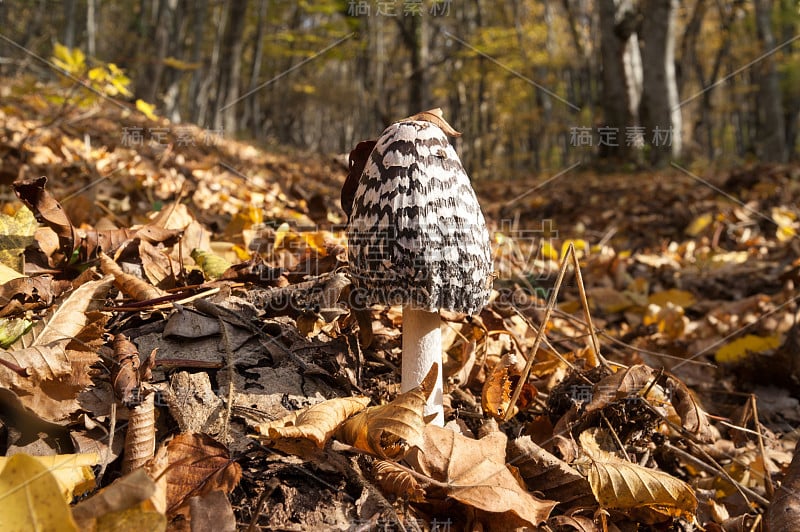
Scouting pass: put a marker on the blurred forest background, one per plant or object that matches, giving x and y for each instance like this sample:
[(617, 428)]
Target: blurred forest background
[(534, 85)]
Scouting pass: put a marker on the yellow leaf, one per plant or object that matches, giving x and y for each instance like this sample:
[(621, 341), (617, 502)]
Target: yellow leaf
[(670, 319), (786, 220), (699, 224), (97, 74), (549, 252), (72, 471), (609, 300), (146, 109), (280, 235), (738, 350), (241, 253), (31, 499), (212, 265), (679, 298), (579, 244), (625, 486), (73, 61), (17, 230), (315, 240), (177, 64)]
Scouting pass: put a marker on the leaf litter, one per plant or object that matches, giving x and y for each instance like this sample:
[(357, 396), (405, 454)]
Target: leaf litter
[(181, 312)]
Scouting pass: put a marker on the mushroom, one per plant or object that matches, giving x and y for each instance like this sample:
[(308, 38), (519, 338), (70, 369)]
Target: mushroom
[(416, 238)]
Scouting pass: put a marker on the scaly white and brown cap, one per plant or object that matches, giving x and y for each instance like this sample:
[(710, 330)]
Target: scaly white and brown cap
[(416, 237), (416, 234)]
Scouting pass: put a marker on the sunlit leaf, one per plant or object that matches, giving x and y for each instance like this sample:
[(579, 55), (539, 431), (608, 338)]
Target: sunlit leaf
[(146, 109), (680, 298), (31, 498), (699, 224), (739, 349)]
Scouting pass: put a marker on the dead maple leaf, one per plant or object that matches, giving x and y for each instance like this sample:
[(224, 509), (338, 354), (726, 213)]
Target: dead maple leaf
[(316, 423), (393, 429), (34, 365), (197, 465), (475, 473)]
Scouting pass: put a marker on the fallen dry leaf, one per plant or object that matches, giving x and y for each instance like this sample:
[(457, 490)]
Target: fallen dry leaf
[(197, 465), (130, 285), (549, 475), (31, 498), (73, 472), (393, 429), (396, 480), (48, 211), (784, 511), (140, 436), (124, 505), (496, 394), (475, 474), (125, 371), (316, 423), (648, 494)]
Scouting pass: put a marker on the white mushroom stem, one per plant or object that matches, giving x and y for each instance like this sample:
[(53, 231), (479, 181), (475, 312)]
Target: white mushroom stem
[(422, 347)]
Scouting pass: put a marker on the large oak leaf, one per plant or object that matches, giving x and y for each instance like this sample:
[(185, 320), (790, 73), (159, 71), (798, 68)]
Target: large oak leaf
[(476, 474)]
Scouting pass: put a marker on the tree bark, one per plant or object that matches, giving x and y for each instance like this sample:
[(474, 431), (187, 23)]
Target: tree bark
[(70, 12), (770, 129), (254, 102), (231, 68), (621, 74), (196, 108), (659, 110), (91, 27), (413, 33)]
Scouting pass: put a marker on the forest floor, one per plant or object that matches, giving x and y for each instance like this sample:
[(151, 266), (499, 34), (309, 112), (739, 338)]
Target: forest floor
[(227, 266)]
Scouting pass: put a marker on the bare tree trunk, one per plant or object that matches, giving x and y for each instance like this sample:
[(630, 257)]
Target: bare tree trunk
[(254, 102), (414, 36), (91, 27), (661, 115), (791, 103), (149, 85), (770, 141), (231, 68), (196, 108), (70, 12), (622, 73)]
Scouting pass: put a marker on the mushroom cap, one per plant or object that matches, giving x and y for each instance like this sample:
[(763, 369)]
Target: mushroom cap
[(416, 234)]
